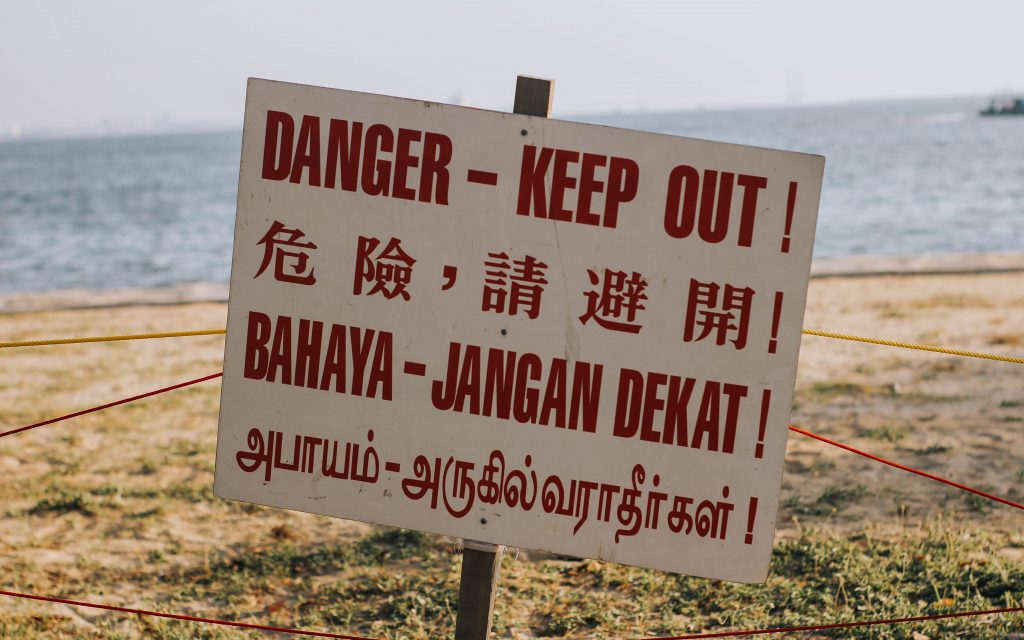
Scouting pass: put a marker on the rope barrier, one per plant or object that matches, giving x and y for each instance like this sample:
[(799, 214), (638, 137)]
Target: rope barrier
[(904, 467), (111, 404), (724, 634), (179, 616), (808, 332), (133, 336), (841, 625), (341, 636), (911, 345), (809, 434)]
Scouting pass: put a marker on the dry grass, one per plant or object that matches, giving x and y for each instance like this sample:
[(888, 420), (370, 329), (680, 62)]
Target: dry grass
[(117, 506)]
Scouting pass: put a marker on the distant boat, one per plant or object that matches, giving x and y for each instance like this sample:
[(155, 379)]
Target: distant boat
[(1010, 107)]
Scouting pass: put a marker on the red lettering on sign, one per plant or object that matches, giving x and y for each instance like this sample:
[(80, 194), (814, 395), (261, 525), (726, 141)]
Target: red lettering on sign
[(404, 160), (561, 182), (531, 181), (711, 222), (377, 172), (269, 353), (434, 178), (376, 159), (589, 186), (277, 146), (534, 198), (343, 154), (640, 398), (503, 387), (719, 312), (307, 152)]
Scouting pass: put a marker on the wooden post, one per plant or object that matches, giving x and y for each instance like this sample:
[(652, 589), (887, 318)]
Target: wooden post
[(481, 561), (479, 583), (533, 96)]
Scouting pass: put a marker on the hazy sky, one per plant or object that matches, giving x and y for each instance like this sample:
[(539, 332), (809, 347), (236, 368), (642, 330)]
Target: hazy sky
[(132, 64)]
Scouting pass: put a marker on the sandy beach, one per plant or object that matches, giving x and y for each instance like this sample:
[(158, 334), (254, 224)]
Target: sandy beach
[(90, 503)]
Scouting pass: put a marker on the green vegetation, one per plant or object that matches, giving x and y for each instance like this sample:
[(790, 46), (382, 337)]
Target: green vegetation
[(932, 448), (832, 500), (839, 388), (61, 501), (887, 433), (116, 507), (402, 584)]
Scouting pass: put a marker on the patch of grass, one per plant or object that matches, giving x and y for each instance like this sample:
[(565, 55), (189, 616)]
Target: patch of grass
[(1011, 404), (33, 627), (953, 300), (412, 590), (63, 501), (257, 570), (924, 397), (106, 490), (576, 612), (838, 497), (141, 493), (886, 432), (1006, 339), (186, 448), (147, 468), (832, 500), (174, 630), (839, 388), (148, 513), (190, 492), (400, 604), (816, 467), (392, 544), (282, 532), (892, 312), (933, 448), (287, 560), (977, 503)]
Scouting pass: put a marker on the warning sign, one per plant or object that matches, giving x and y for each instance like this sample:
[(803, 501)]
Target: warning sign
[(514, 330)]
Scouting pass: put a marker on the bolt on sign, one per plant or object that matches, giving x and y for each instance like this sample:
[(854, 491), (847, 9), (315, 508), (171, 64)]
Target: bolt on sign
[(515, 330)]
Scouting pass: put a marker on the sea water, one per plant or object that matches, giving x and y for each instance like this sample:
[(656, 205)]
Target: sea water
[(901, 178)]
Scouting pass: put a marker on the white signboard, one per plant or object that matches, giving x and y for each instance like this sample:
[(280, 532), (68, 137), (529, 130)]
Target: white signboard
[(514, 330)]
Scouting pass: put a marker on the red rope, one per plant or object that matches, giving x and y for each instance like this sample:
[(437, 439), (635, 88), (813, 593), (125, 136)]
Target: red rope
[(723, 634), (341, 636), (809, 434), (111, 404), (904, 467), (178, 616), (840, 625)]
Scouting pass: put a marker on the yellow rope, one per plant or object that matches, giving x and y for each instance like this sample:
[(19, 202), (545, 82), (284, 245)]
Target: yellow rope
[(809, 332), (911, 345), (136, 336)]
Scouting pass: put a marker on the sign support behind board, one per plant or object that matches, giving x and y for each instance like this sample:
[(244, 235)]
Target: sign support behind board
[(481, 562), (514, 330)]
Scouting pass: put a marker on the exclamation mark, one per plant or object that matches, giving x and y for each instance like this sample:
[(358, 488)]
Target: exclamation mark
[(790, 203), (766, 401), (776, 316), (751, 514)]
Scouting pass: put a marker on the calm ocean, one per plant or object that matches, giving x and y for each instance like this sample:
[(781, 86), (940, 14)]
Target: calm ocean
[(901, 178)]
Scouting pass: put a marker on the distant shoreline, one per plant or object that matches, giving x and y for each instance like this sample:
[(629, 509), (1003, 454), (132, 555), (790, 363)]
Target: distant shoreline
[(217, 292)]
